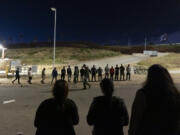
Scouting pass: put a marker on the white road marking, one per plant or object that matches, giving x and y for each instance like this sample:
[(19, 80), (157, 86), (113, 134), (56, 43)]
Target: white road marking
[(9, 101)]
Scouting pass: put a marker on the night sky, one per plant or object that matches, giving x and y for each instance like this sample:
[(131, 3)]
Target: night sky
[(88, 20)]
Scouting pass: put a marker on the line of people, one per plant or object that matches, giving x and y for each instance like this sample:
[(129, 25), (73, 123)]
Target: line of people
[(114, 73), (155, 110)]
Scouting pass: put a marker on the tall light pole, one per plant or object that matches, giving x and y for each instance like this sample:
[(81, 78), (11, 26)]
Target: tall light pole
[(145, 43), (54, 51)]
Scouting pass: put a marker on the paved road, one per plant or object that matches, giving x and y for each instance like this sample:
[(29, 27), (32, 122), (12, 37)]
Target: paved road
[(18, 116)]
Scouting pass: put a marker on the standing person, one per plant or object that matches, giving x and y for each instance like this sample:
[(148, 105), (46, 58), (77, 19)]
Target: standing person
[(108, 114), (99, 74), (30, 75), (63, 73), (86, 76), (82, 73), (93, 73), (112, 73), (69, 73), (57, 115), (106, 71), (54, 75), (156, 107), (128, 72), (43, 75), (116, 73), (76, 74), (122, 74), (17, 76)]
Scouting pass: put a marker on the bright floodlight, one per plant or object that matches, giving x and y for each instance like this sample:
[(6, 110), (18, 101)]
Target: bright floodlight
[(1, 46), (53, 9)]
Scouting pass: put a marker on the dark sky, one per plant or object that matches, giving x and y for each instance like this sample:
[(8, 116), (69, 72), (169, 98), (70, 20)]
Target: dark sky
[(88, 20)]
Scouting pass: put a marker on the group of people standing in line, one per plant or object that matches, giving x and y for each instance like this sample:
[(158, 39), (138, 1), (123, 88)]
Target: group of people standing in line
[(155, 110), (114, 73)]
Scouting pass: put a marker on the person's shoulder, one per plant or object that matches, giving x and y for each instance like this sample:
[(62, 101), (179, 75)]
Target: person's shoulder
[(140, 92), (141, 95), (69, 102), (47, 102), (117, 99)]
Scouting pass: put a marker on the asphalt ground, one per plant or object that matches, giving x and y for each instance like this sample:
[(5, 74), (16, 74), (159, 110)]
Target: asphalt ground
[(18, 112)]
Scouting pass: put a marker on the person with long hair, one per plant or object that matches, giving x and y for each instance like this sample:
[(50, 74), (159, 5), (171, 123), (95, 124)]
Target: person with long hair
[(156, 107), (57, 115), (108, 114)]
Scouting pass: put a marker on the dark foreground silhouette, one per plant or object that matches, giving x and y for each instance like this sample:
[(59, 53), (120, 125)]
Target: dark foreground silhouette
[(107, 114), (56, 116), (156, 108)]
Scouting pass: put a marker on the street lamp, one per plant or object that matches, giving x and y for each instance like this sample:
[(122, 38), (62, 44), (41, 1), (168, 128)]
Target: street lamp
[(54, 53)]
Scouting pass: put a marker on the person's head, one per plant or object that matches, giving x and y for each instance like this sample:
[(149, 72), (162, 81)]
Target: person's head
[(107, 87), (69, 66), (60, 91), (63, 67), (30, 69), (158, 76), (116, 65), (55, 68)]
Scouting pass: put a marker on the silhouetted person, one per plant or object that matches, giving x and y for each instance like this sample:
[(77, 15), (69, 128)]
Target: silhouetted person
[(106, 71), (76, 74), (57, 115), (63, 73), (85, 78), (128, 72), (17, 76), (43, 75), (112, 73), (108, 114), (69, 73), (93, 73), (82, 73), (54, 75), (30, 75), (122, 69), (156, 107), (99, 71), (116, 73)]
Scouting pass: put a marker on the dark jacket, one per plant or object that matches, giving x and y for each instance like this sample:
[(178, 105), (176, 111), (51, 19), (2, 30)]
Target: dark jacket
[(69, 71), (54, 73), (142, 122), (117, 70), (108, 116), (17, 74), (93, 71), (52, 119), (122, 69), (82, 72)]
